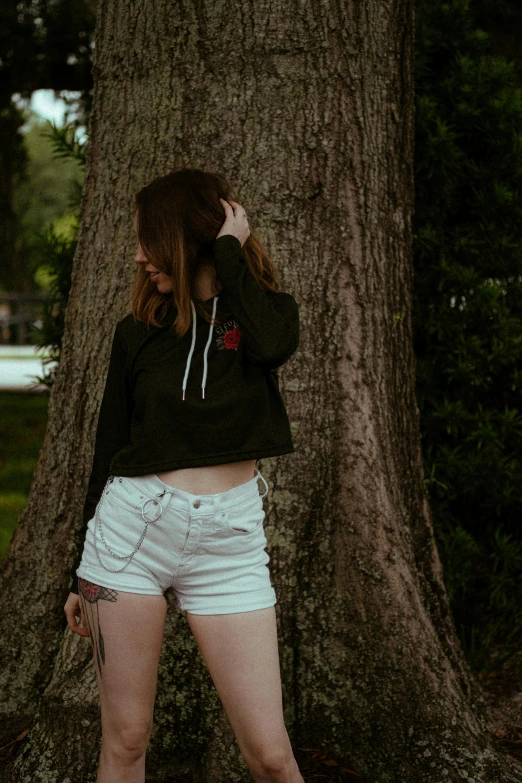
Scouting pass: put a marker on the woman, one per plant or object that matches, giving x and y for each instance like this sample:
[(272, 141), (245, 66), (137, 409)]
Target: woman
[(191, 402)]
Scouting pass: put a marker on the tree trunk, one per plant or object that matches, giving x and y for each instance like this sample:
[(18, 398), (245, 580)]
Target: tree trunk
[(310, 109)]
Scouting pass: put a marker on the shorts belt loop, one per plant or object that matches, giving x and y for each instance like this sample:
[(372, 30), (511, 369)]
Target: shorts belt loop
[(217, 505), (264, 482)]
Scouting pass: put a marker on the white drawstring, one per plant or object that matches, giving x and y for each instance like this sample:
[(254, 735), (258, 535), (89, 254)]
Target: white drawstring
[(206, 349), (189, 357)]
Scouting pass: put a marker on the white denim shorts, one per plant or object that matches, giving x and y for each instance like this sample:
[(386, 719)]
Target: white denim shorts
[(147, 536)]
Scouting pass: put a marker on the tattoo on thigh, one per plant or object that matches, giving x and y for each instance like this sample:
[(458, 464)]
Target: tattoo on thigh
[(92, 593)]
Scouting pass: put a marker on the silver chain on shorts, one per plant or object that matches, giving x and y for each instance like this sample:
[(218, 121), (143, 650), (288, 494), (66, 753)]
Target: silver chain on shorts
[(97, 523)]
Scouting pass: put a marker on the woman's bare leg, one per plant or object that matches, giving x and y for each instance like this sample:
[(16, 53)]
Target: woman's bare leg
[(126, 632), (242, 656)]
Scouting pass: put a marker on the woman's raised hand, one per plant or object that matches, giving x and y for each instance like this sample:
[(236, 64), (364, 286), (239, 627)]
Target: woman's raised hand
[(236, 221)]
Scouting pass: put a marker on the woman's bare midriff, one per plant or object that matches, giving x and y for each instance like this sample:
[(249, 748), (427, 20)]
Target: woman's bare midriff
[(210, 479)]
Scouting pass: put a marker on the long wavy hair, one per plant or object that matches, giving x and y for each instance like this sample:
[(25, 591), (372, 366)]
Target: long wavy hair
[(178, 217)]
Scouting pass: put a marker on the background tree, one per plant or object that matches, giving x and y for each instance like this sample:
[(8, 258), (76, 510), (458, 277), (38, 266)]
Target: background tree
[(315, 123), (44, 44), (13, 168)]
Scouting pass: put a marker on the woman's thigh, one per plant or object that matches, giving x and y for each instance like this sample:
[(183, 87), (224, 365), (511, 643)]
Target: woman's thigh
[(241, 652), (126, 632)]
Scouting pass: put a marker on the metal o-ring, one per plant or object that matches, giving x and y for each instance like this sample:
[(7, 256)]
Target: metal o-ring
[(157, 502)]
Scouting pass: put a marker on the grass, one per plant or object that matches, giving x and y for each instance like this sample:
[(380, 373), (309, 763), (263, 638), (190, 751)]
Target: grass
[(23, 420)]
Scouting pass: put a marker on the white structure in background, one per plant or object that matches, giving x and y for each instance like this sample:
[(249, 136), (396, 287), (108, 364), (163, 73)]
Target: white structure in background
[(49, 107), (19, 366)]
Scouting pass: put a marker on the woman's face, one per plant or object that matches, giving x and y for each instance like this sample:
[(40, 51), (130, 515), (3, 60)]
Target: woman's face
[(163, 281)]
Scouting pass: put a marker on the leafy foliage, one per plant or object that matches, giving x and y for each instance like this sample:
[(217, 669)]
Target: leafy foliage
[(48, 191), (468, 321), (58, 248)]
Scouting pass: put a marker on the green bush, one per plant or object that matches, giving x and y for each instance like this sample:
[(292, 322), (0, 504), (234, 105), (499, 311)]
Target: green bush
[(467, 321)]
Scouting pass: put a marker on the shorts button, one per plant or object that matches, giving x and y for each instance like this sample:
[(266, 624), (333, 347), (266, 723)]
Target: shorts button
[(197, 503)]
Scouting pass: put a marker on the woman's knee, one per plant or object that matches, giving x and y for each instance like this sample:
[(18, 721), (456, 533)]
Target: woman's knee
[(272, 763), (129, 740)]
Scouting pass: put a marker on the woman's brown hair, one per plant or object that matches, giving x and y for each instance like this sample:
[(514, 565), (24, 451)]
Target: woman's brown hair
[(178, 218)]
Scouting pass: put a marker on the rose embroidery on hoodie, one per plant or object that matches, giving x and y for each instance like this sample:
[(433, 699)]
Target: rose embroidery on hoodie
[(228, 335)]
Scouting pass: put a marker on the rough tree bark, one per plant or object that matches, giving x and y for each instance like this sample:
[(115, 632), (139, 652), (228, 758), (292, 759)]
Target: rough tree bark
[(308, 107)]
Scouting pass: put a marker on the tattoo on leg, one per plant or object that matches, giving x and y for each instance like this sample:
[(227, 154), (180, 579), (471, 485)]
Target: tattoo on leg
[(93, 593)]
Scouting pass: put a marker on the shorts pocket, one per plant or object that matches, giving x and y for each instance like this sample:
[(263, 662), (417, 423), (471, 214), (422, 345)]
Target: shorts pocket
[(246, 518), (117, 525), (122, 493)]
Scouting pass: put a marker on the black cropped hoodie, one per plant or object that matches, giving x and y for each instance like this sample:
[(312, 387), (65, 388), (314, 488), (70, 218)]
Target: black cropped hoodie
[(207, 398)]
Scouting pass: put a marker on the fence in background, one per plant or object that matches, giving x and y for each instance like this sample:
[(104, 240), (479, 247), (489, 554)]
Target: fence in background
[(19, 311)]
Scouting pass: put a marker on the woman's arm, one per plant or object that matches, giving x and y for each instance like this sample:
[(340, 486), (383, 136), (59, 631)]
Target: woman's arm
[(112, 434), (269, 320)]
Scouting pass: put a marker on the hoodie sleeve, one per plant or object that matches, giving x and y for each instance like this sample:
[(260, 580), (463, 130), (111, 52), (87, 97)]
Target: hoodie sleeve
[(112, 434), (269, 320)]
